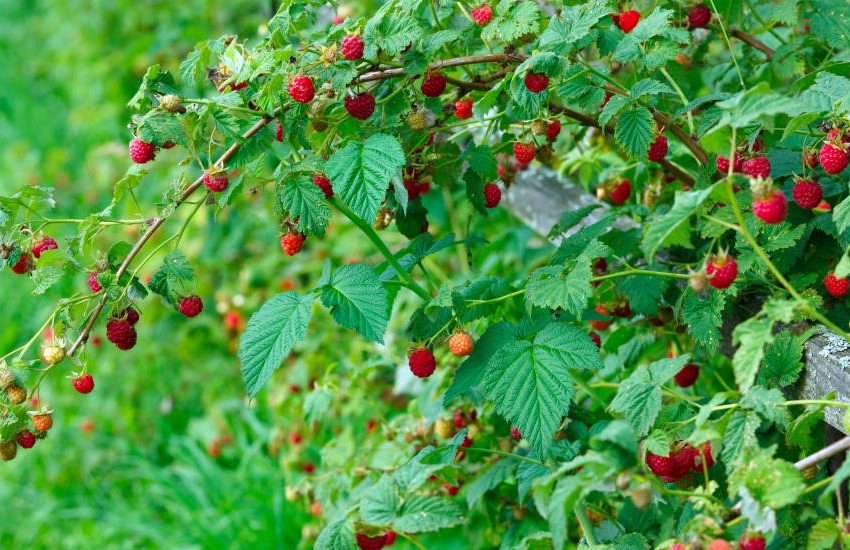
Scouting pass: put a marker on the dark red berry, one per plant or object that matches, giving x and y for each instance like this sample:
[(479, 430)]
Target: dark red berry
[(365, 542), (536, 82), (141, 151), (553, 130), (722, 270), (360, 106), (292, 243), (837, 287), (45, 244), (121, 333), (24, 264), (628, 20), (481, 15), (352, 47), (324, 184), (756, 167), (191, 306), (463, 109), (658, 149), (216, 180), (94, 284), (524, 152), (807, 194), (492, 195), (434, 84), (422, 363), (278, 133), (26, 439), (699, 16), (687, 376)]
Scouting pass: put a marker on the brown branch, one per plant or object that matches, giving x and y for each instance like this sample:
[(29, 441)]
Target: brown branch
[(691, 143), (754, 42), (155, 225)]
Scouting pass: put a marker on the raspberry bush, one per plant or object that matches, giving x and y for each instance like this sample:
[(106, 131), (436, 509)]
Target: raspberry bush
[(449, 376)]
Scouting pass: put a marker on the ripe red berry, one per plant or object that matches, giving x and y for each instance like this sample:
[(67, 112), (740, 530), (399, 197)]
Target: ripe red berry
[(752, 542), (837, 287), (434, 84), (365, 542), (706, 456), (621, 192), (594, 336), (292, 243), (121, 333), (84, 384), (24, 264), (301, 89), (460, 344), (26, 439), (422, 363), (601, 324), (722, 270), (628, 20), (833, 158), (662, 466), (278, 133), (658, 149), (683, 461), (756, 167), (482, 15), (324, 184), (699, 16), (536, 82), (191, 306), (810, 158), (45, 244), (94, 284), (352, 47), (360, 106), (771, 208), (216, 180), (141, 151), (515, 433), (722, 164), (524, 152), (553, 130), (686, 377), (463, 108), (807, 194), (492, 195), (131, 315)]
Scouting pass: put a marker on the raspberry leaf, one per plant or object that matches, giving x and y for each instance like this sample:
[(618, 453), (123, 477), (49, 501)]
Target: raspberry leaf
[(380, 502), (634, 131), (337, 535), (304, 201), (703, 317), (357, 300), (671, 227), (573, 24), (514, 19), (169, 278), (470, 374), (425, 514), (270, 336)]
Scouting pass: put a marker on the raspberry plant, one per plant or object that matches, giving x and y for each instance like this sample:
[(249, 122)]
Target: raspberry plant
[(673, 425)]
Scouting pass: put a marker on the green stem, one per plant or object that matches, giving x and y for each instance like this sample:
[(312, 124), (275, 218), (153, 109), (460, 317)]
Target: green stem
[(681, 95), (586, 526), (729, 45), (453, 221), (507, 454), (382, 248)]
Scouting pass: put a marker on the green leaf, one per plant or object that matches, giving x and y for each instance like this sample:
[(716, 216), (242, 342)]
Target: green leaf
[(752, 336), (471, 372), (270, 336), (427, 514), (379, 504), (703, 317), (767, 402), (566, 286), (660, 229), (174, 272), (573, 24), (823, 534), (489, 479), (649, 86), (782, 362), (304, 201), (481, 160), (338, 535), (361, 173), (644, 292), (770, 481), (513, 20), (357, 300), (640, 404), (739, 435), (635, 131)]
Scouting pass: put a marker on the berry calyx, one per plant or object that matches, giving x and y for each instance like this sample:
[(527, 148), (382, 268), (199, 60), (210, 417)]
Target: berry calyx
[(94, 284), (628, 20), (460, 344), (352, 47), (837, 287), (658, 150), (365, 542), (292, 243), (481, 15), (216, 180), (524, 152), (191, 306), (807, 193), (360, 106), (756, 167), (42, 246), (686, 377), (770, 205), (323, 183), (422, 363), (722, 270), (492, 195), (463, 108), (24, 264), (26, 439), (84, 384), (42, 422), (141, 151), (833, 158), (301, 89), (536, 82), (621, 192), (121, 333), (433, 85), (699, 16)]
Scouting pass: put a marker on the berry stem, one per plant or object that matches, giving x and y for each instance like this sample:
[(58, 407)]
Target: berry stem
[(586, 526), (729, 45), (681, 94), (382, 248), (507, 454), (412, 540)]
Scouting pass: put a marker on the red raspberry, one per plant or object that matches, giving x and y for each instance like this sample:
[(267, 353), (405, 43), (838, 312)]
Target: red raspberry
[(422, 363), (141, 151), (706, 456), (278, 133), (810, 158), (722, 271), (365, 542), (699, 16), (452, 490), (309, 468), (515, 433), (756, 167), (833, 158), (295, 438), (492, 195), (683, 461), (391, 536), (301, 89), (324, 184), (836, 286), (121, 333), (26, 439), (94, 285), (352, 47), (750, 542), (216, 180), (624, 311), (292, 243), (131, 315), (45, 244), (628, 20), (413, 189), (168, 145), (605, 101), (460, 344), (463, 109), (596, 339), (536, 82), (524, 152), (360, 106), (191, 306), (658, 149), (687, 376), (434, 84), (662, 466), (84, 384), (482, 15), (771, 208), (807, 194), (338, 19), (24, 264), (621, 193), (553, 130), (823, 207), (601, 325)]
